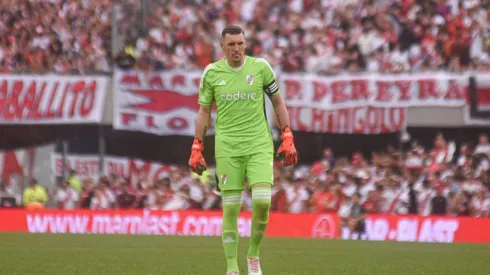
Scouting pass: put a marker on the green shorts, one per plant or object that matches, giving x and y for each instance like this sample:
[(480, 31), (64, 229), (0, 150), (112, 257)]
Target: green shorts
[(257, 168)]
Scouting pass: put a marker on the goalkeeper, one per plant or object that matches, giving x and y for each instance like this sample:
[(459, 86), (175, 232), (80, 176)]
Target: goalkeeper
[(238, 84)]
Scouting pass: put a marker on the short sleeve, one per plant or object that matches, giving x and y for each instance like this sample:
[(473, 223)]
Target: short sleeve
[(206, 95), (270, 85)]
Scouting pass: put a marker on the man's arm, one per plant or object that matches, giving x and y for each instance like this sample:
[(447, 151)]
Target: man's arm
[(206, 98), (271, 89), (203, 121), (280, 110)]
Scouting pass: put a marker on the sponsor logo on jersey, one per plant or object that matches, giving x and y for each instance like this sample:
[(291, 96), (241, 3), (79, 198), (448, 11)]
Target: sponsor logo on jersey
[(223, 179), (250, 79), (238, 96)]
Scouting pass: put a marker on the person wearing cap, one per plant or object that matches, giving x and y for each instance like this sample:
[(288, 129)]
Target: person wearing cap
[(35, 196)]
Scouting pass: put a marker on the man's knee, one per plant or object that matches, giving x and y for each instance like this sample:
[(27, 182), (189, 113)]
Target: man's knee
[(231, 201), (263, 205), (231, 211)]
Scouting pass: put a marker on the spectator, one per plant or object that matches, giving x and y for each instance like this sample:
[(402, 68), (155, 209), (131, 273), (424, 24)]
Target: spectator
[(7, 197), (371, 204), (212, 199), (297, 196), (366, 185), (181, 200), (279, 196), (319, 199), (103, 198), (425, 195), (88, 193), (439, 203), (74, 181), (483, 146), (141, 196), (126, 199), (65, 196), (35, 196), (357, 218), (480, 205), (461, 204), (412, 198)]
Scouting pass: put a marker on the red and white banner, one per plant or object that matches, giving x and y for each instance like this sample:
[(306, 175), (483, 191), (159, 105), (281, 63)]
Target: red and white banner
[(478, 112), (356, 120), (163, 103), (50, 99), (88, 167), (375, 90), (199, 223), (16, 164)]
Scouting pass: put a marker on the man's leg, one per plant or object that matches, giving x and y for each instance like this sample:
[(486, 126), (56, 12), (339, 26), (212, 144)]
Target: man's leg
[(260, 176), (232, 201), (230, 173), (261, 204)]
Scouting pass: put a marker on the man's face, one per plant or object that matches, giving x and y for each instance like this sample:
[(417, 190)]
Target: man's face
[(483, 139), (327, 153), (356, 199), (233, 46)]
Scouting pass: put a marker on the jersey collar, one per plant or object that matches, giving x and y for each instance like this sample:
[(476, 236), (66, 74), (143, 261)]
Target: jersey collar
[(238, 68)]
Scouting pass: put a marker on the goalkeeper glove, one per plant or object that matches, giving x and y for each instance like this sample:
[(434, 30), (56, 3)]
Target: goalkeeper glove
[(287, 149), (196, 161)]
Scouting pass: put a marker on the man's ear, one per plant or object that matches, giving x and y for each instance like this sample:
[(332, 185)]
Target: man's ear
[(221, 43)]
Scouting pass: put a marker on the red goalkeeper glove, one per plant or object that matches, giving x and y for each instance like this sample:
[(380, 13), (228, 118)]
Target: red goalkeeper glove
[(196, 161), (287, 149)]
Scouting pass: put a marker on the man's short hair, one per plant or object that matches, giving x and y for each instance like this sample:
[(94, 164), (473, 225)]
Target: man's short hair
[(231, 29)]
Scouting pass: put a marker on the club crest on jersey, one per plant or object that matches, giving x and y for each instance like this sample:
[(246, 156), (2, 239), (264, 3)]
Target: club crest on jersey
[(223, 179), (250, 79)]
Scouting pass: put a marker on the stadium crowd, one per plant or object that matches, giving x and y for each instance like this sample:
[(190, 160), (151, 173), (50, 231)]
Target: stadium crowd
[(437, 181), (325, 37)]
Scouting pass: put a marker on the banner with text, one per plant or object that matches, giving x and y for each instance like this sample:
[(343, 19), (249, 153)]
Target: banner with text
[(477, 112), (374, 90), (201, 223), (50, 99), (355, 120), (88, 166), (162, 103)]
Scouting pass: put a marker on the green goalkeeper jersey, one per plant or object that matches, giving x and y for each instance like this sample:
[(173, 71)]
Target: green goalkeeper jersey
[(241, 126)]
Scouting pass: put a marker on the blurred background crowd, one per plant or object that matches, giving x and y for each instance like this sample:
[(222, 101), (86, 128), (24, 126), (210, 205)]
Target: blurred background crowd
[(424, 181), (321, 36)]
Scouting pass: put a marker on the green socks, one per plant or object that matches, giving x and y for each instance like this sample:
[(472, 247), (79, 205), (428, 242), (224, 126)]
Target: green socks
[(232, 201), (261, 203)]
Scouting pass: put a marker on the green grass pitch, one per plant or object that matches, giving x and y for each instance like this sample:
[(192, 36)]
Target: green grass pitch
[(53, 254)]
